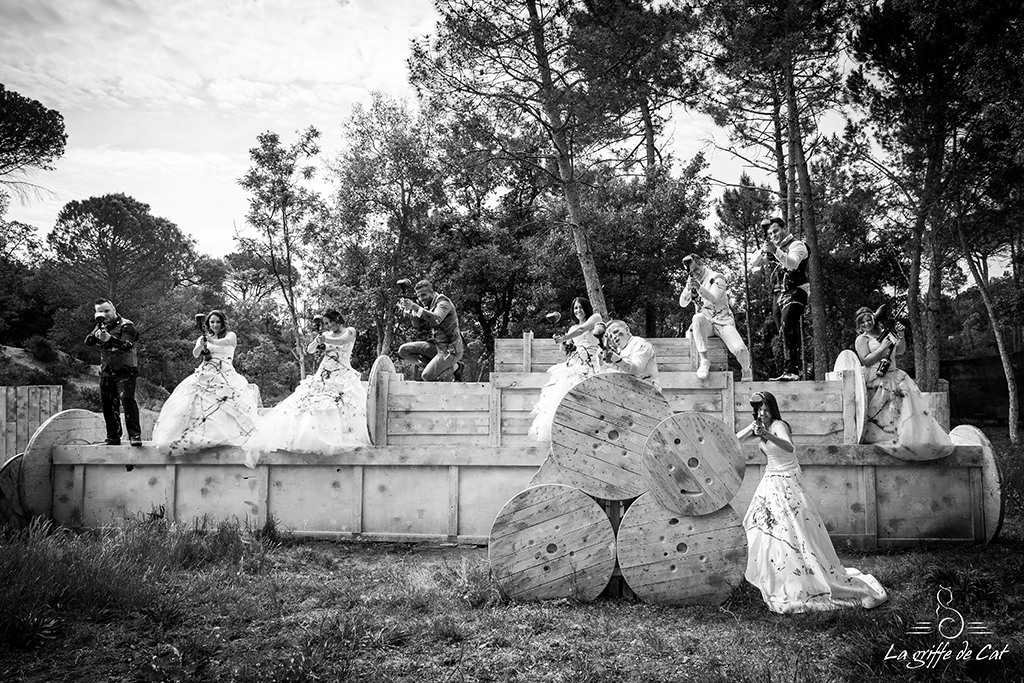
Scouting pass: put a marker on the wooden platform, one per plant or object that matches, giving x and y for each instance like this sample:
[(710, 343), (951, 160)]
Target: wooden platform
[(447, 457)]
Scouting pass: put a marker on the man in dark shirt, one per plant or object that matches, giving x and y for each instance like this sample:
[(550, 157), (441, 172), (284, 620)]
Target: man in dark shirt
[(119, 366), (787, 256), (440, 356)]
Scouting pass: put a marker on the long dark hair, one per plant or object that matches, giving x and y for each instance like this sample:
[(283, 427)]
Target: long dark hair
[(333, 315), (773, 409), (588, 310), (223, 322)]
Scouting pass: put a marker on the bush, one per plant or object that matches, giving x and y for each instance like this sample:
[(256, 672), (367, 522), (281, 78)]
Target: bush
[(41, 349)]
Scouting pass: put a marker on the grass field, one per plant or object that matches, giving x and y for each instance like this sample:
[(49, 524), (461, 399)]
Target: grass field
[(225, 602)]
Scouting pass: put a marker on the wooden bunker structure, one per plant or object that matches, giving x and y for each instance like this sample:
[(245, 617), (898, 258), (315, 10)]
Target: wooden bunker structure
[(447, 457)]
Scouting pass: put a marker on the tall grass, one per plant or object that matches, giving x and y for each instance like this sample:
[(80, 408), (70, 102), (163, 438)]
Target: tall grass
[(48, 570)]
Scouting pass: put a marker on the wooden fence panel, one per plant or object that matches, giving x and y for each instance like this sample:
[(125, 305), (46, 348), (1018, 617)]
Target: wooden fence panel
[(675, 354), (22, 410)]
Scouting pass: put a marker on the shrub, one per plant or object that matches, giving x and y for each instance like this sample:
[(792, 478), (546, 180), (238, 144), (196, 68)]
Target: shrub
[(41, 349)]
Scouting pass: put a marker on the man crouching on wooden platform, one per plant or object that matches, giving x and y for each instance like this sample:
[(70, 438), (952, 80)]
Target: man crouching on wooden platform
[(631, 354), (439, 357)]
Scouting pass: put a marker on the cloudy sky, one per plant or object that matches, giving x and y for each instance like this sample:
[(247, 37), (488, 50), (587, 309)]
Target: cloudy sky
[(162, 99)]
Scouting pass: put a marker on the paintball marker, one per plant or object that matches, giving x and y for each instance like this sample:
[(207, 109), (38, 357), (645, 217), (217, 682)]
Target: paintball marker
[(201, 326), (318, 325), (756, 401)]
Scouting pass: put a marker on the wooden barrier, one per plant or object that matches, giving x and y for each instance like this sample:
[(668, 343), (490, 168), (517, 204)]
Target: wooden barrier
[(448, 456), (675, 354), (22, 410)]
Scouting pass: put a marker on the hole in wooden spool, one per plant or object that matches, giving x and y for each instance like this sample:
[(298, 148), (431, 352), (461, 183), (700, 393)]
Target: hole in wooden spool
[(613, 434), (681, 548), (551, 548), (673, 521), (692, 462)]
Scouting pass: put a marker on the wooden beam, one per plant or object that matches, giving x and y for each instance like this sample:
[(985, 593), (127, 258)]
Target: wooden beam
[(528, 351), (262, 494), (453, 501), (171, 493), (494, 417), (357, 499), (473, 456), (78, 496)]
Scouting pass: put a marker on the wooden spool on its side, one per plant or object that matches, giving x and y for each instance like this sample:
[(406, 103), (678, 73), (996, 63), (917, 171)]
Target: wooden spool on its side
[(552, 541), (849, 361), (672, 559), (599, 431), (991, 477), (67, 427), (376, 399), (692, 464), (12, 512)]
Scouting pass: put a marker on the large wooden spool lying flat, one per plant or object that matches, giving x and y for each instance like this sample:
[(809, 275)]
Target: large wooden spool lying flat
[(692, 464), (992, 479), (67, 427), (672, 559), (552, 541), (599, 431)]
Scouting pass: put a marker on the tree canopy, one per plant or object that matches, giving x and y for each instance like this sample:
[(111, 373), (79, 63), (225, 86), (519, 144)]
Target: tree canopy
[(31, 137)]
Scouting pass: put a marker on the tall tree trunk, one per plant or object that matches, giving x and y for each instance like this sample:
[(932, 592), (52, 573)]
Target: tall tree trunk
[(746, 302), (932, 175), (780, 154), (929, 380), (652, 150), (1004, 356), (289, 292), (566, 174), (817, 298)]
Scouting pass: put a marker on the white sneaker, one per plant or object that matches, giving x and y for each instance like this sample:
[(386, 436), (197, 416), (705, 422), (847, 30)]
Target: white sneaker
[(703, 368)]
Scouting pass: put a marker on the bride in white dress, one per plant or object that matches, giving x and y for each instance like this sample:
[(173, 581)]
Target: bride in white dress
[(583, 361), (790, 557), (213, 406), (327, 411)]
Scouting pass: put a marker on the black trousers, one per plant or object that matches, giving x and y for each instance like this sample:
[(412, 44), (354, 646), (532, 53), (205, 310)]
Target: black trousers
[(117, 391), (787, 309)]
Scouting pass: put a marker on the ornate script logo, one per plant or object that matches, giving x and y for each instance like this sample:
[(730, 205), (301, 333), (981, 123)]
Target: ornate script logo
[(949, 623)]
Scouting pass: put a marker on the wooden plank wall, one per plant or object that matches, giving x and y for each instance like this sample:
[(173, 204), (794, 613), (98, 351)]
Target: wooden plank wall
[(454, 453), (22, 410), (675, 354)]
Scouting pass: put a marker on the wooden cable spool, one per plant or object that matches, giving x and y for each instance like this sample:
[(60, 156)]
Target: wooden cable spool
[(376, 396), (12, 512), (68, 427), (692, 464), (552, 541), (599, 431), (991, 477), (848, 361), (672, 559)]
